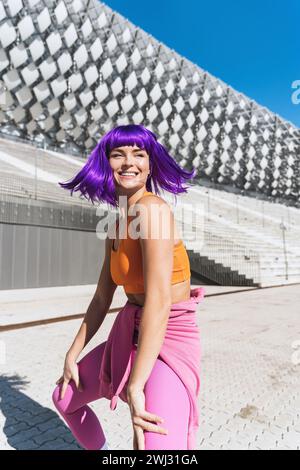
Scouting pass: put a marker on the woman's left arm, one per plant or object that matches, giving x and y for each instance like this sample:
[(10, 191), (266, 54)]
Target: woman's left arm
[(157, 240)]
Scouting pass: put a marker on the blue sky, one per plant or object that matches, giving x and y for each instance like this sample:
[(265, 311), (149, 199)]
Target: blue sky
[(254, 46)]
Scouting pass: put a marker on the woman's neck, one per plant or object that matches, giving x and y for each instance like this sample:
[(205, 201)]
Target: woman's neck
[(131, 200)]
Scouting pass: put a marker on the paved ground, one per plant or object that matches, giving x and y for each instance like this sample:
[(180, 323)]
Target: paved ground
[(250, 392)]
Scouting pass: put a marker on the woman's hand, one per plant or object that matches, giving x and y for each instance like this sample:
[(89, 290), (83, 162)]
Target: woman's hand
[(142, 419), (70, 372)]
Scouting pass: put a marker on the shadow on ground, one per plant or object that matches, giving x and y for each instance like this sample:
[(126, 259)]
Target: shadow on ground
[(28, 425)]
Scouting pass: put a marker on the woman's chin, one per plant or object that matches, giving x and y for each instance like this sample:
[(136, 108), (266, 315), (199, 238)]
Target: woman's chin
[(129, 184)]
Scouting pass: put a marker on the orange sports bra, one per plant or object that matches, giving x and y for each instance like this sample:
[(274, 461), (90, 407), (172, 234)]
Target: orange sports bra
[(126, 264)]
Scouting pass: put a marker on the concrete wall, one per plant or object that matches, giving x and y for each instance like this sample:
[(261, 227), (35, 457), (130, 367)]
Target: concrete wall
[(37, 256)]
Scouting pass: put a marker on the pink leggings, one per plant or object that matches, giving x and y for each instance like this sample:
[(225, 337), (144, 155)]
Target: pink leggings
[(165, 395)]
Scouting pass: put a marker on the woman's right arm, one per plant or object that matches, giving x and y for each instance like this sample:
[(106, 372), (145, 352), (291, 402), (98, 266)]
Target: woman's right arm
[(98, 307)]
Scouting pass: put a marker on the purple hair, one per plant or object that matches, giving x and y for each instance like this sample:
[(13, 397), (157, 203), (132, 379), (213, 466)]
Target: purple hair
[(95, 180)]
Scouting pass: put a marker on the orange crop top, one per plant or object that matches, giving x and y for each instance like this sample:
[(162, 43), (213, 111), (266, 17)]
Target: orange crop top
[(126, 264)]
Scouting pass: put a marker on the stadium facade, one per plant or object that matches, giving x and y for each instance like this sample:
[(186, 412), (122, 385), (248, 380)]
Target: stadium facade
[(70, 70)]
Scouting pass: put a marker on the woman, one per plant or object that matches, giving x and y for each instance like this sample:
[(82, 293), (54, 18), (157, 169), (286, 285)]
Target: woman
[(151, 357)]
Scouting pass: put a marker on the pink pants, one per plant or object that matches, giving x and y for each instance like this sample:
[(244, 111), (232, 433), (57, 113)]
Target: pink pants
[(165, 396)]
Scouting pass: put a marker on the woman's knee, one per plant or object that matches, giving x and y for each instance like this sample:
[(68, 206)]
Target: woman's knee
[(56, 396), (88, 369), (62, 405)]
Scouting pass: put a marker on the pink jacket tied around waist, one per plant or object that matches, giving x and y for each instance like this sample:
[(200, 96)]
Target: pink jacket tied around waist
[(180, 350)]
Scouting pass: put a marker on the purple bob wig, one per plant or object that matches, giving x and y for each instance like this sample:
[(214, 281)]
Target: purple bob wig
[(95, 181)]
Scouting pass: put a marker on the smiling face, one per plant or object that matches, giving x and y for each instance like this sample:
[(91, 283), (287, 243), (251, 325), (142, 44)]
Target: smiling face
[(130, 166)]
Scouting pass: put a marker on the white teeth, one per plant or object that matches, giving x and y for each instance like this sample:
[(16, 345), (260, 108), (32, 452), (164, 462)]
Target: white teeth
[(126, 173)]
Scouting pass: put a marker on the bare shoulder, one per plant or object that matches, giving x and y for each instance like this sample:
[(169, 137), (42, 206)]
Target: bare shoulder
[(153, 204), (156, 215), (147, 201)]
